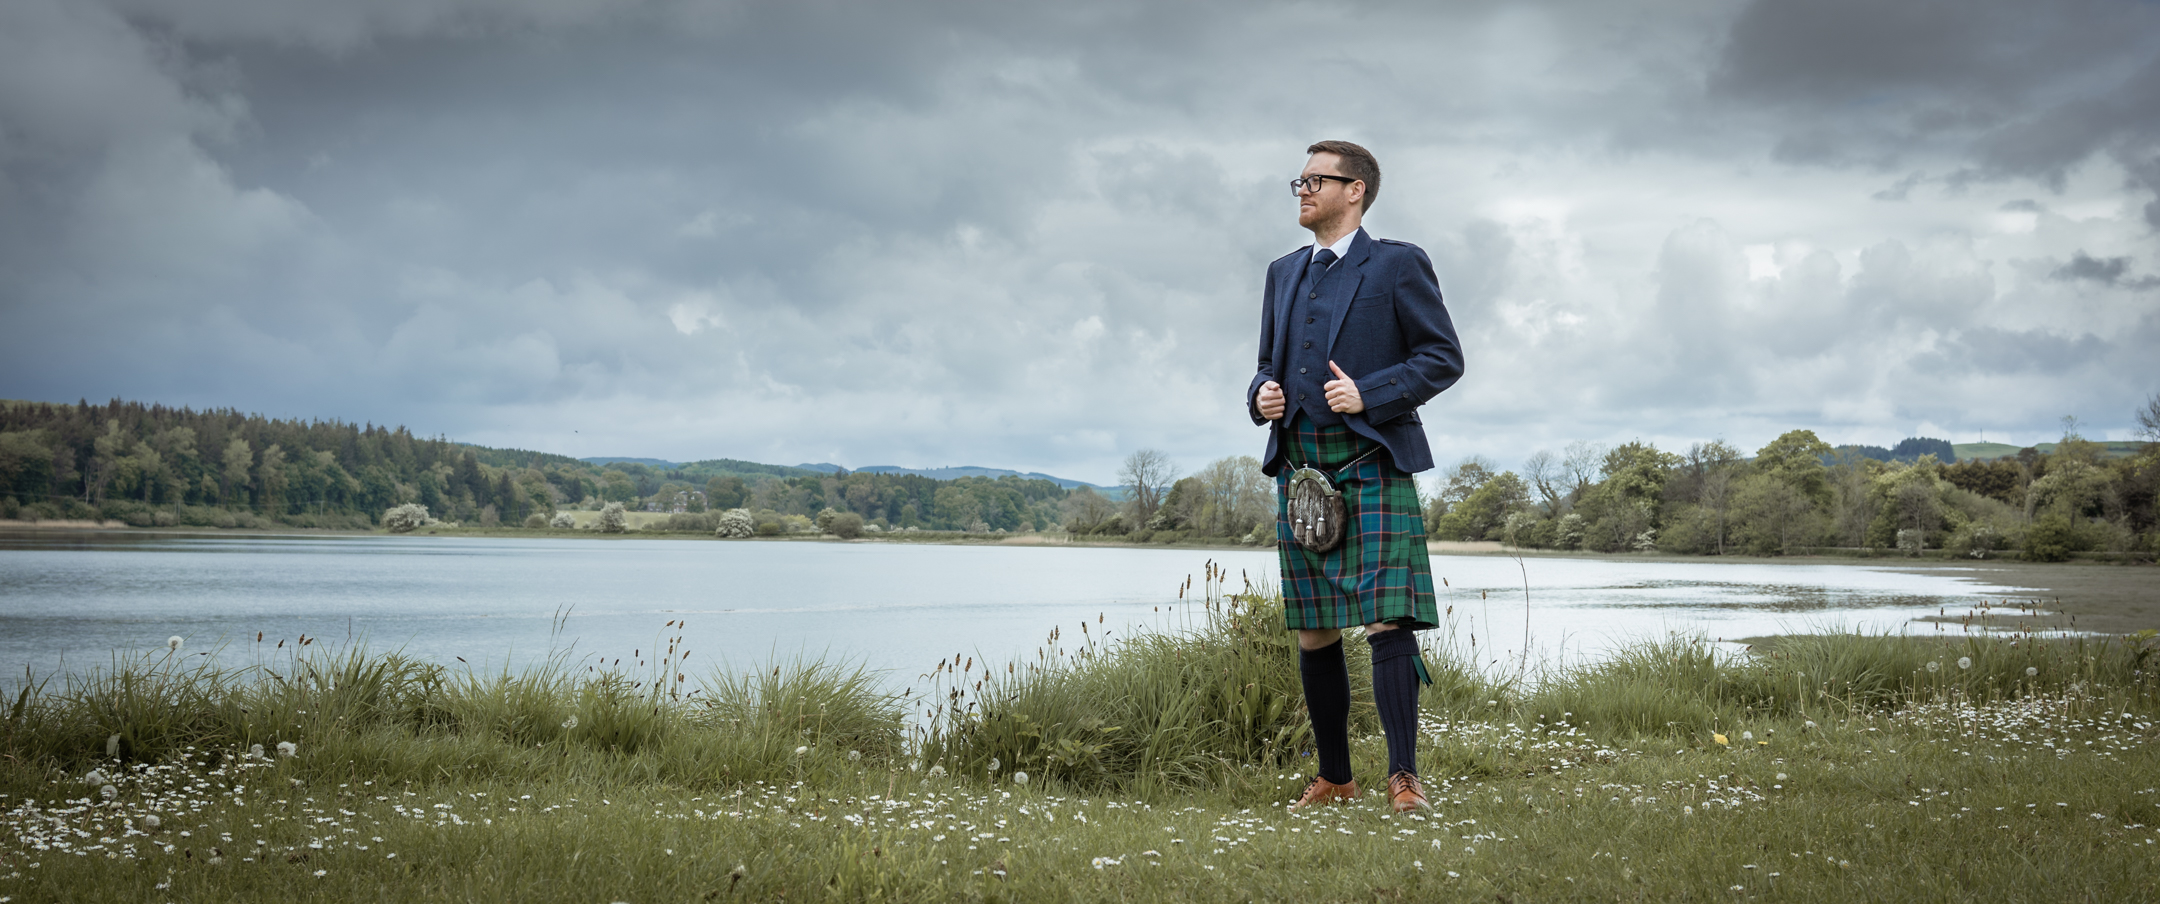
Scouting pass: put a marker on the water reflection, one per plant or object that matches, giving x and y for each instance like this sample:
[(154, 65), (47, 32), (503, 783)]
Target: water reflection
[(68, 600)]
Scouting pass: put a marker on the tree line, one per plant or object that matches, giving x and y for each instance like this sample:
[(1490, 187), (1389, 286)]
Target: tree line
[(1799, 493), (149, 464)]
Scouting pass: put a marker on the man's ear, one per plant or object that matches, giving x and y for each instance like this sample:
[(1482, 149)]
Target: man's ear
[(1356, 191)]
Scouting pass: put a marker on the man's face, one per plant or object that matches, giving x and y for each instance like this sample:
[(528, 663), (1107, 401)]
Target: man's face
[(1334, 200)]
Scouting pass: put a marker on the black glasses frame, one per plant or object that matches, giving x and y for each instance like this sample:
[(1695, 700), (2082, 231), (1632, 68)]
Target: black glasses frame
[(1315, 182)]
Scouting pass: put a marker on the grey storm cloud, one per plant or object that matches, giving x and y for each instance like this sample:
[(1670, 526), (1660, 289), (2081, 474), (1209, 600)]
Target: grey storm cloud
[(1032, 235)]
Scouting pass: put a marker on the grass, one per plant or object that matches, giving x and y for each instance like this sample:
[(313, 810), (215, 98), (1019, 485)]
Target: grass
[(1825, 768)]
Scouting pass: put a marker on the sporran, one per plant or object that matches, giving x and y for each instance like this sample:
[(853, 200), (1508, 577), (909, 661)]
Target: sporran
[(1318, 519)]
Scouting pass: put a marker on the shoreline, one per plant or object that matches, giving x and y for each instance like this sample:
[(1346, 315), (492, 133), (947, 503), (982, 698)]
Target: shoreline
[(2094, 596)]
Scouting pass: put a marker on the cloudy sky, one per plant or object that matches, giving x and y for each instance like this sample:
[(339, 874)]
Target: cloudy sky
[(1032, 235)]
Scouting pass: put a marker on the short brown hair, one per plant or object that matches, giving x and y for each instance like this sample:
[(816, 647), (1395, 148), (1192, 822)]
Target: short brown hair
[(1357, 163)]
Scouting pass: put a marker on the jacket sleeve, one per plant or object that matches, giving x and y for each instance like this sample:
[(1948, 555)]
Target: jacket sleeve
[(1435, 361), (1267, 348)]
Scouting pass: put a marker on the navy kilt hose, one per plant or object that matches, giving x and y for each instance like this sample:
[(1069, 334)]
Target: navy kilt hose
[(1381, 572)]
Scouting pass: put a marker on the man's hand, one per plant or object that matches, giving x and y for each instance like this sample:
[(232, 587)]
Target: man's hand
[(1270, 400), (1342, 394)]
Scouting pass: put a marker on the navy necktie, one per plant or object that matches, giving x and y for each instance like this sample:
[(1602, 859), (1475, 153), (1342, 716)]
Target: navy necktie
[(1318, 268)]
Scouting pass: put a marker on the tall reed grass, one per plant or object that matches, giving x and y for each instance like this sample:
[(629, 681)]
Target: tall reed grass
[(1212, 702)]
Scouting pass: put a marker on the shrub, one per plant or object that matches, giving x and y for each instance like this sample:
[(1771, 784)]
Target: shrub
[(2049, 539), (612, 520), (562, 520), (536, 521), (405, 519), (736, 523), (770, 529), (845, 525)]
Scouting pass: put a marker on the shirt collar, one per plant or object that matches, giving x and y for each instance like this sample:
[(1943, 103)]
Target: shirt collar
[(1341, 246)]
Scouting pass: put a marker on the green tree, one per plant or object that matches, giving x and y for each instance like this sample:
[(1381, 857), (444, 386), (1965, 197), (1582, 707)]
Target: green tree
[(1797, 459)]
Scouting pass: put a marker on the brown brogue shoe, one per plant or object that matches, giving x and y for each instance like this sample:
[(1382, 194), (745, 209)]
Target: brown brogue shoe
[(1322, 791), (1406, 792)]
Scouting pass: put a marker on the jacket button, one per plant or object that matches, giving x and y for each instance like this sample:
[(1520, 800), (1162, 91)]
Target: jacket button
[(1391, 382), (1301, 397), (1308, 345), (1308, 320), (1301, 370), (1313, 295)]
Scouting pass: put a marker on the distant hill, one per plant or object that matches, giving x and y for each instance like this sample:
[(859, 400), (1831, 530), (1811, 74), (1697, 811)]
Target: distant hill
[(2116, 448), (978, 471), (708, 468), (719, 467)]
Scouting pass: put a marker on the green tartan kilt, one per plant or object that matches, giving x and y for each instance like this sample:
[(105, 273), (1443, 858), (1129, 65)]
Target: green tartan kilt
[(1382, 571)]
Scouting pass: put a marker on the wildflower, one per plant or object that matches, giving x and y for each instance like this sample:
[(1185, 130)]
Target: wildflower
[(1808, 725), (1020, 778), (321, 873), (2031, 671), (1934, 666), (287, 748), (1964, 662), (150, 822), (1720, 739), (799, 751), (569, 723), (1781, 776), (854, 756), (993, 764), (1747, 736), (1688, 811), (173, 643), (937, 770)]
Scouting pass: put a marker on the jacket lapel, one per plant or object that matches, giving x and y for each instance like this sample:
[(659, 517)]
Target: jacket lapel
[(1342, 285), (1286, 285)]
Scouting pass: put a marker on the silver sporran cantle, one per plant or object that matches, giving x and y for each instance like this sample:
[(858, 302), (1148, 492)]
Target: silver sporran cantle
[(1317, 518)]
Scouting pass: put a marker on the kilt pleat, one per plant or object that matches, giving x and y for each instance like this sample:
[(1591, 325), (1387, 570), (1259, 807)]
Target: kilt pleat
[(1382, 571)]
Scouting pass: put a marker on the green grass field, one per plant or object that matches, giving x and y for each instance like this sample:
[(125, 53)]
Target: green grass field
[(1828, 768)]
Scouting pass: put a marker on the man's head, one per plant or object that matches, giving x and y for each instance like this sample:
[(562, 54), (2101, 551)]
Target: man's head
[(1348, 195)]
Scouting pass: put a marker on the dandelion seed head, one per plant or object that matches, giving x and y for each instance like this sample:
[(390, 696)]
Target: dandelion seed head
[(854, 756), (2030, 671), (255, 751), (1934, 666), (994, 764), (287, 748), (799, 751), (569, 723), (151, 822), (1964, 662), (1020, 778), (173, 643), (108, 792)]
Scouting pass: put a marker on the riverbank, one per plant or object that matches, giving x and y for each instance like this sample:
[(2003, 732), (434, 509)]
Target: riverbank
[(1855, 768)]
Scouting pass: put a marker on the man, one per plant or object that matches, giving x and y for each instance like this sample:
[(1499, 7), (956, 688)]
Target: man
[(1353, 338)]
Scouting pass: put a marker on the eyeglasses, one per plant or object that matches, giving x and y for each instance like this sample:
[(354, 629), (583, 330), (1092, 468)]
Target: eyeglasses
[(1314, 182)]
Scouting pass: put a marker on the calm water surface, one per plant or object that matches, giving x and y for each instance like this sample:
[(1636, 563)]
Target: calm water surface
[(69, 601)]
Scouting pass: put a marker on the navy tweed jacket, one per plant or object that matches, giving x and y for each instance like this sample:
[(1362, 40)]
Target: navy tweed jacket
[(1391, 333)]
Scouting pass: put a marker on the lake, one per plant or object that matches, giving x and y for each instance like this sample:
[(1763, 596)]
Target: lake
[(69, 600)]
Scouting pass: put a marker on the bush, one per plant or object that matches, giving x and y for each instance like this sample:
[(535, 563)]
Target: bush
[(2049, 539), (736, 523), (405, 519), (536, 521), (771, 529), (845, 525), (563, 521), (612, 520)]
